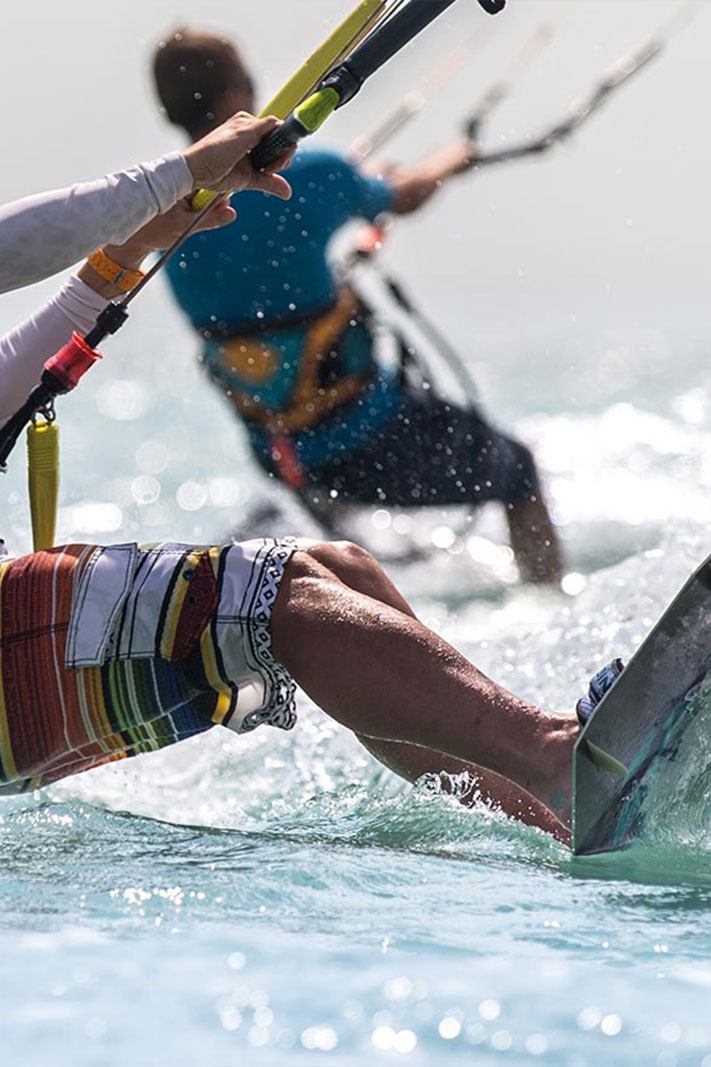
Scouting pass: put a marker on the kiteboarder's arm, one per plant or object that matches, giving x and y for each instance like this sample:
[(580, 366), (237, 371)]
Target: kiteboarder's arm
[(78, 303), (414, 186), (24, 349), (157, 234), (41, 235)]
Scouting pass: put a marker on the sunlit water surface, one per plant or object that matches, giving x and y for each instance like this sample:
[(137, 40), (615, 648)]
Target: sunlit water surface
[(283, 900)]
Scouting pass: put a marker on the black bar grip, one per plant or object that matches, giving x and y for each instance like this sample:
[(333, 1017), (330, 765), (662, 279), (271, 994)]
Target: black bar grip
[(277, 143)]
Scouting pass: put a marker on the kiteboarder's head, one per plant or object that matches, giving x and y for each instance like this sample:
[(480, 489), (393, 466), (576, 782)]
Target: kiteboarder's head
[(201, 80)]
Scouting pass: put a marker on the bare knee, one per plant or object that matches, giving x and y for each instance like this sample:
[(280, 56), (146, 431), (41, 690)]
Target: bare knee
[(346, 560), (310, 593), (319, 568), (316, 566), (355, 568)]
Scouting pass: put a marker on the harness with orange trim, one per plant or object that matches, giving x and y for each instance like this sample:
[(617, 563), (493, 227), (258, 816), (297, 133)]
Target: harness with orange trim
[(316, 393), (322, 385)]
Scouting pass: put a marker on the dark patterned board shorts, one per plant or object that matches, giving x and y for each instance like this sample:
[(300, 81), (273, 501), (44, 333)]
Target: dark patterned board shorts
[(430, 454), (110, 652)]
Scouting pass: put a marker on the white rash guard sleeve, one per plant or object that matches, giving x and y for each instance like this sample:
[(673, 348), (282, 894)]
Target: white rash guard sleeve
[(46, 233), (24, 350)]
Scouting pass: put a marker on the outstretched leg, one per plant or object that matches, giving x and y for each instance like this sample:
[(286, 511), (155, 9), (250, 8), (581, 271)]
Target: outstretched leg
[(412, 762), (374, 668), (358, 570)]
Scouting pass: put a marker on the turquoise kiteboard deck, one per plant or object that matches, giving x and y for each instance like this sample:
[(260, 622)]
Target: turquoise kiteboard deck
[(640, 720)]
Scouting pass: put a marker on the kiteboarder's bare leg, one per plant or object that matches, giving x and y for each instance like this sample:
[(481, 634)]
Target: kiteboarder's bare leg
[(469, 783), (535, 542), (353, 644)]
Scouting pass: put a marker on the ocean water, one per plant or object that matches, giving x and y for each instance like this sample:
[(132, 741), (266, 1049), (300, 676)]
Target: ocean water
[(282, 899)]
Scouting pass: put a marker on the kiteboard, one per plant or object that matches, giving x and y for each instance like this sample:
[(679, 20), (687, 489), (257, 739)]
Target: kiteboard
[(641, 720)]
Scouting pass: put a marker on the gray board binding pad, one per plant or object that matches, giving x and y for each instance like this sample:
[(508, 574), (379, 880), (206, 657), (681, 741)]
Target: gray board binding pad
[(641, 719)]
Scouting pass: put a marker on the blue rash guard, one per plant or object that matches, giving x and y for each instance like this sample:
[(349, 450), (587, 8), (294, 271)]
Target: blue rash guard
[(270, 266)]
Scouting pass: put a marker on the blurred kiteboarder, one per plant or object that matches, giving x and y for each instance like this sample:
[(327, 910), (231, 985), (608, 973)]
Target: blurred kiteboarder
[(295, 351)]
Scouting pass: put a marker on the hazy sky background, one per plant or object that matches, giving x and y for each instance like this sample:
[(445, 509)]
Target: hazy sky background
[(612, 230)]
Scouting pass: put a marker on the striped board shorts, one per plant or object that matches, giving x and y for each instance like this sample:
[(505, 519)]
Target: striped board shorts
[(106, 653)]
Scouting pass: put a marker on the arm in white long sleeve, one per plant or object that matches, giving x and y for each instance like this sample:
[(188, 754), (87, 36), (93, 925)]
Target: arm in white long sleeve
[(24, 350), (43, 234)]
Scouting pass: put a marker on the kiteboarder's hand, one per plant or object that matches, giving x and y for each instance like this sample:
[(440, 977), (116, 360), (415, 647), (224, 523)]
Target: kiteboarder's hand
[(157, 234), (219, 161), (161, 231), (414, 186), (462, 156)]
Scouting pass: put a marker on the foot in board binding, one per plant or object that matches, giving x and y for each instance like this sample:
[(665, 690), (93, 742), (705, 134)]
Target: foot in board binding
[(599, 685)]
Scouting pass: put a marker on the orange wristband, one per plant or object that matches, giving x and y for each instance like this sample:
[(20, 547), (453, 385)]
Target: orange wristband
[(125, 280)]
